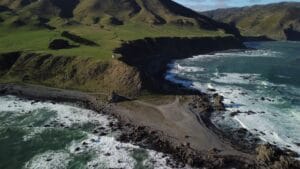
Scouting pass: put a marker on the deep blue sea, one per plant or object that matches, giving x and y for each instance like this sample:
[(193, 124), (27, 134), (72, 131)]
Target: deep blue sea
[(265, 80)]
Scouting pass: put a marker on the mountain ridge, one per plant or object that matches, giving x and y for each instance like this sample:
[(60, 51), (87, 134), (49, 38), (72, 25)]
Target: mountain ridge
[(113, 12), (278, 21)]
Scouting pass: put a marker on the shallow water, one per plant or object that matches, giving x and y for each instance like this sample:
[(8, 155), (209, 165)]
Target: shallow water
[(45, 135), (266, 80)]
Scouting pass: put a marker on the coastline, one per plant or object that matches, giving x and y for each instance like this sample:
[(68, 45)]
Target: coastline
[(210, 149), (181, 127), (148, 135)]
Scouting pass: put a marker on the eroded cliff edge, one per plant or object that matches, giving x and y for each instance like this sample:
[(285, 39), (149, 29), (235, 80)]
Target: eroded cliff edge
[(150, 56), (141, 67)]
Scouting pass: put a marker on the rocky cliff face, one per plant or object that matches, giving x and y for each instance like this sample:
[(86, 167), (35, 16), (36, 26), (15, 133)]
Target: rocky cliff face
[(151, 55), (142, 66)]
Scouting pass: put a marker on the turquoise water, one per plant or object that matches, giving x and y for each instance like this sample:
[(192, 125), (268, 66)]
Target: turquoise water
[(265, 80), (45, 135)]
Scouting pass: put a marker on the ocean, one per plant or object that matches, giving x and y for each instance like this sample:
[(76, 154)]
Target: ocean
[(47, 135), (265, 80)]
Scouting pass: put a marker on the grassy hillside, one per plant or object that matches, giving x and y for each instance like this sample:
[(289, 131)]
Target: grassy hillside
[(30, 25), (277, 21), (70, 43)]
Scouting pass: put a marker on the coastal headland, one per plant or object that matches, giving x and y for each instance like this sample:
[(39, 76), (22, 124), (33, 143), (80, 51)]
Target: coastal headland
[(112, 56), (156, 113)]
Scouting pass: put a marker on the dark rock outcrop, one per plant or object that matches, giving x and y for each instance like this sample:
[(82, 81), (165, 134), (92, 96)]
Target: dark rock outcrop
[(257, 38), (292, 34), (57, 44), (115, 98), (218, 104), (151, 56), (78, 39)]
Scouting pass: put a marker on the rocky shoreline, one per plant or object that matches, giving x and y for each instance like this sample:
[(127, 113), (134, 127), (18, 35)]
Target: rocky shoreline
[(265, 156), (143, 136)]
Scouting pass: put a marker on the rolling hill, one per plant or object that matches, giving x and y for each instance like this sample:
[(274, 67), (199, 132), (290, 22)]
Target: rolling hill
[(73, 43), (280, 21), (106, 22), (114, 12)]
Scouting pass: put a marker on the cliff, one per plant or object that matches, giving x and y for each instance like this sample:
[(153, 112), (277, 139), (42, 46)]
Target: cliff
[(151, 56), (85, 74), (142, 66)]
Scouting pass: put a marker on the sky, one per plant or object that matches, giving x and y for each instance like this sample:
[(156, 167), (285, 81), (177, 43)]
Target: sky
[(203, 5)]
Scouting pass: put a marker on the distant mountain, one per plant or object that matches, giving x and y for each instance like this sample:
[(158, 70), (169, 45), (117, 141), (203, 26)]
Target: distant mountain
[(280, 21), (113, 12)]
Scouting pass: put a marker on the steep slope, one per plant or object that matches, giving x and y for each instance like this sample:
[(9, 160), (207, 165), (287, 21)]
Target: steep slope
[(114, 12), (279, 21)]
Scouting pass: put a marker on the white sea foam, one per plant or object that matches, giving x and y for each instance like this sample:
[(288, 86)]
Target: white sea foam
[(64, 113), (236, 78), (272, 125), (270, 131), (49, 160), (296, 112), (187, 68), (33, 132), (106, 151), (111, 153), (175, 69), (247, 53)]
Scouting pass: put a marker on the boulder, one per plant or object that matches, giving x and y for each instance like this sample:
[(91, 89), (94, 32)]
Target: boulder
[(265, 154), (114, 98), (218, 102)]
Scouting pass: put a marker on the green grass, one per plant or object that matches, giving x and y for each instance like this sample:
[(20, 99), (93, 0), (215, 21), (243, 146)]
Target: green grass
[(13, 39), (32, 39), (101, 31), (137, 30), (37, 40)]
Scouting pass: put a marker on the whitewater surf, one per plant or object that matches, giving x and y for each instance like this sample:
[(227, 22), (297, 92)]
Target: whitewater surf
[(262, 84)]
